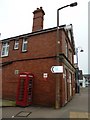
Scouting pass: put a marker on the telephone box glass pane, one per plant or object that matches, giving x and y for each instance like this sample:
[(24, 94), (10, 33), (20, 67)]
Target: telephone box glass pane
[(21, 92), (30, 91)]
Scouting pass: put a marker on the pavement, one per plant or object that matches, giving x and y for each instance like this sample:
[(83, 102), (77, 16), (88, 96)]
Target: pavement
[(76, 108)]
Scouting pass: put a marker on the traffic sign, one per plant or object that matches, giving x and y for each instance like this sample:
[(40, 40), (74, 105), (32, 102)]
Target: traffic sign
[(57, 69)]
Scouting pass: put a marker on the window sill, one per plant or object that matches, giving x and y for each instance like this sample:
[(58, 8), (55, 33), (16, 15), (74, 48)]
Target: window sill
[(24, 51), (16, 49), (4, 56)]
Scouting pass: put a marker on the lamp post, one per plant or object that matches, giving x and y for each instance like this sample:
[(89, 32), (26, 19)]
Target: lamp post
[(77, 69), (57, 104)]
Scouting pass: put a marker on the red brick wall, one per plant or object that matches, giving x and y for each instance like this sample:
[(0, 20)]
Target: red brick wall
[(70, 51), (40, 47), (43, 91)]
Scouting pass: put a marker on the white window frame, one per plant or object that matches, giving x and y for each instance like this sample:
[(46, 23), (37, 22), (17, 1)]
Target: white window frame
[(66, 49), (65, 78), (71, 55), (5, 49), (70, 82), (69, 34), (23, 45), (16, 45)]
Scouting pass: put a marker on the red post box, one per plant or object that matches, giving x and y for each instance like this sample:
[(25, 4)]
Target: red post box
[(24, 90)]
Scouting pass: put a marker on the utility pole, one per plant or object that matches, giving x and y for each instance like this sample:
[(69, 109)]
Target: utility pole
[(57, 104)]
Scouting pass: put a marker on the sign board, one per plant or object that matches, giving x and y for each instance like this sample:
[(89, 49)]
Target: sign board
[(16, 72), (45, 75), (57, 69)]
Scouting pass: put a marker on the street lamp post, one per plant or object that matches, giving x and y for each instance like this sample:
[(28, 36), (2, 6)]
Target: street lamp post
[(57, 104), (77, 69)]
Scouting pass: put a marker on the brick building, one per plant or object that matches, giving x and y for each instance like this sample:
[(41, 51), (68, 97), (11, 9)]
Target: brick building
[(35, 52)]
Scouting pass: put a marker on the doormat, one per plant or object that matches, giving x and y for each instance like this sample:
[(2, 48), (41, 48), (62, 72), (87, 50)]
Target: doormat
[(23, 114)]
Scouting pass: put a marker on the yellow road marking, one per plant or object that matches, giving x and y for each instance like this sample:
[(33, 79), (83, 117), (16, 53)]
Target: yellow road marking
[(79, 115)]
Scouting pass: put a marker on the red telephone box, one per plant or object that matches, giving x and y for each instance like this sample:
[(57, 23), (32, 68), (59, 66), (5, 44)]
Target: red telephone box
[(24, 91)]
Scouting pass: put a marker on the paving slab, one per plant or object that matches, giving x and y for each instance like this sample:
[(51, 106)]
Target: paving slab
[(76, 108)]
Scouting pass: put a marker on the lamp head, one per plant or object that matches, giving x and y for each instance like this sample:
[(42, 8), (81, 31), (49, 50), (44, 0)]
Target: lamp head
[(73, 4), (81, 50)]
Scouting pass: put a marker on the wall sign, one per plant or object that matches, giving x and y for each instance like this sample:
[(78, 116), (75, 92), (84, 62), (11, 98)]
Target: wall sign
[(16, 72), (45, 75), (57, 69)]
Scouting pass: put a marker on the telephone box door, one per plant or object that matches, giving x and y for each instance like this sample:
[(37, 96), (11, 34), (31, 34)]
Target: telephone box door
[(24, 91), (29, 92)]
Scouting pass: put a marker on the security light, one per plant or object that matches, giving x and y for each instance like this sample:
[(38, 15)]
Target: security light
[(81, 50)]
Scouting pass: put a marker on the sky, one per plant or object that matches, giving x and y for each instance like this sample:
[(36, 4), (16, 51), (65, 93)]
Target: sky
[(16, 18)]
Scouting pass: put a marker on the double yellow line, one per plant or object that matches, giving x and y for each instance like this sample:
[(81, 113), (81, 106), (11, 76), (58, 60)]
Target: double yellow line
[(79, 115)]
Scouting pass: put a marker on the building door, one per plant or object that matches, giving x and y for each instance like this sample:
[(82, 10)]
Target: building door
[(70, 82), (65, 79)]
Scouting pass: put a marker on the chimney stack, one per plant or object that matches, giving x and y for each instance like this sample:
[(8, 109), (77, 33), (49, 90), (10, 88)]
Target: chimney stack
[(38, 19)]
